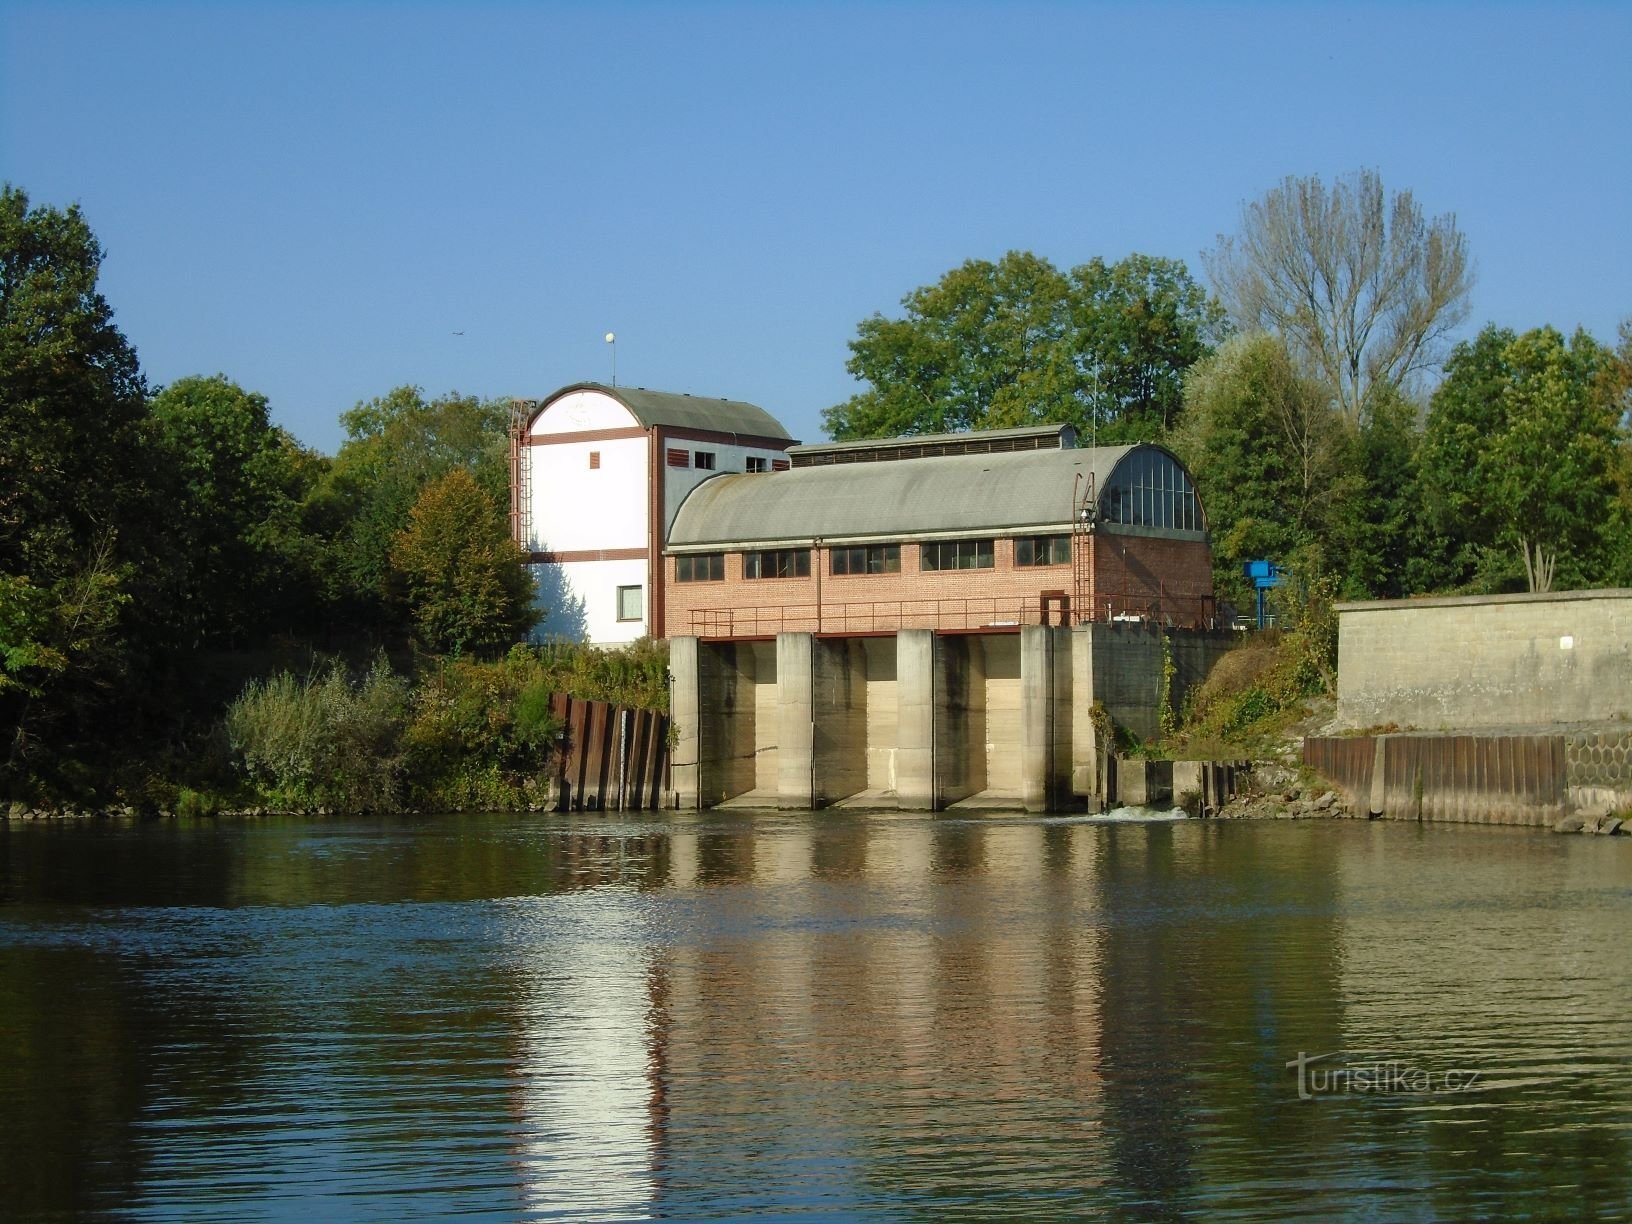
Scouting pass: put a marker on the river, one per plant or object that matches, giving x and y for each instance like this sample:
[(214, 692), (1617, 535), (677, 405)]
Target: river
[(828, 1015)]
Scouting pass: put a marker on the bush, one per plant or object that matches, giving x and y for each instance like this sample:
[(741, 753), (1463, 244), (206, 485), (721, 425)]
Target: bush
[(1264, 684), (324, 742)]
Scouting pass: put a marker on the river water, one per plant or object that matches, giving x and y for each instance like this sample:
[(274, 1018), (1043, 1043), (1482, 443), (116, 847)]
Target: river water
[(825, 1015)]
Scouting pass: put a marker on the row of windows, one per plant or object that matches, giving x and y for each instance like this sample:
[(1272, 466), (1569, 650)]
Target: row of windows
[(875, 558), (708, 461)]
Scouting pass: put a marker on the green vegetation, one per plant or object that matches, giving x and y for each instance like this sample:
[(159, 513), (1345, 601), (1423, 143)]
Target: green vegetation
[(195, 610), (1103, 347), (198, 613), (1259, 689)]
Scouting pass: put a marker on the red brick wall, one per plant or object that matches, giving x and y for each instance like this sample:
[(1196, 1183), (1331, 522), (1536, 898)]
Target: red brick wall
[(1133, 575), (1159, 579)]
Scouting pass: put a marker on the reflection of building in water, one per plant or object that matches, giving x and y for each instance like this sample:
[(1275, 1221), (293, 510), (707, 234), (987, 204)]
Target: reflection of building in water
[(883, 1006), (584, 1097)]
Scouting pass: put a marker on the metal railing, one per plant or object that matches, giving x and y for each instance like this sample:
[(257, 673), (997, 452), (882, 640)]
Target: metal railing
[(947, 615)]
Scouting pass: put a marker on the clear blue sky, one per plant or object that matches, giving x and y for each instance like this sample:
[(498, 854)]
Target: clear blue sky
[(313, 199)]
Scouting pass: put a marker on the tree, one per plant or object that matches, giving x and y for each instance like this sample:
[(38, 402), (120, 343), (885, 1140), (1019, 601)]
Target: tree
[(1017, 342), (467, 579), (239, 481), (1267, 455), (73, 504), (1519, 459), (1363, 289), (1140, 324), (396, 446)]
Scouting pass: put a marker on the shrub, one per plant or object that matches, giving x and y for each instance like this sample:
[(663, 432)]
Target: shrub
[(326, 741)]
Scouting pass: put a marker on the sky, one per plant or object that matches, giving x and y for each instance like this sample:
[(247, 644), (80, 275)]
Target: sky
[(327, 201)]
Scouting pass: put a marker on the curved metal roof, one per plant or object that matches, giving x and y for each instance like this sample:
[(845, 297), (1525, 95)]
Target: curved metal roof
[(681, 411), (947, 495)]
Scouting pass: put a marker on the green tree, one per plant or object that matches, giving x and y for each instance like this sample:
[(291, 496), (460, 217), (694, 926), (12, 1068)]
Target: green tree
[(1267, 454), (235, 531), (1361, 286), (1519, 460), (1140, 323), (467, 579), (73, 506), (1017, 342), (396, 445)]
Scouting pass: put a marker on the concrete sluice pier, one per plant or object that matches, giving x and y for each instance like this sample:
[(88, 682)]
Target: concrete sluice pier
[(919, 720)]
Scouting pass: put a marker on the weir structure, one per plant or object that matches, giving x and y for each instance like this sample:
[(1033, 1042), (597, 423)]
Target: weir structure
[(919, 719)]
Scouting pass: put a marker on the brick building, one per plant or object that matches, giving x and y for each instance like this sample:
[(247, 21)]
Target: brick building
[(961, 532)]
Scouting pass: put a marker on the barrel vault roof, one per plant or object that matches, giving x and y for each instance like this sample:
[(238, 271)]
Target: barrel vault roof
[(681, 411), (947, 494)]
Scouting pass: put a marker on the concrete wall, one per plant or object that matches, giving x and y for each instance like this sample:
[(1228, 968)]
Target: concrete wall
[(1001, 655), (1504, 660), (881, 712), (960, 718), (711, 697), (822, 700), (915, 719), (758, 666), (1120, 663), (1046, 707)]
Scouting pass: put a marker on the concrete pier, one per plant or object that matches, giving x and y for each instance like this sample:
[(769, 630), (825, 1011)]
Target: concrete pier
[(920, 720)]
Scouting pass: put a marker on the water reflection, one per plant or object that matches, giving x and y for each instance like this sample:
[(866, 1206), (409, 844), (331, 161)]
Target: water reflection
[(765, 1012)]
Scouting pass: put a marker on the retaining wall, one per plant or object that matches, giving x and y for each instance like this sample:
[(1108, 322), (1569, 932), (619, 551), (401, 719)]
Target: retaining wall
[(1487, 661)]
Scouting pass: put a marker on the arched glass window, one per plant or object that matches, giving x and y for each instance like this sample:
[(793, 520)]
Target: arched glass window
[(1149, 489)]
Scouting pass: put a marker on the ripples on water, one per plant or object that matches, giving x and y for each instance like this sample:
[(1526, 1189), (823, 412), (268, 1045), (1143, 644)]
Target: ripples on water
[(519, 1017)]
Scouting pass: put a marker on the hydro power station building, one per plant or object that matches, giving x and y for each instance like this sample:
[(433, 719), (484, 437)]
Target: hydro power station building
[(915, 622), (650, 513)]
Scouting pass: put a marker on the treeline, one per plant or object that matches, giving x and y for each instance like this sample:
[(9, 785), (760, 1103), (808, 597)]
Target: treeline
[(1313, 395), (167, 553)]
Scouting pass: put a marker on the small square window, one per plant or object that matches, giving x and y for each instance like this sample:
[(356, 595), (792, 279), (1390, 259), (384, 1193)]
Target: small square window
[(631, 607), (678, 457), (703, 461), (757, 463)]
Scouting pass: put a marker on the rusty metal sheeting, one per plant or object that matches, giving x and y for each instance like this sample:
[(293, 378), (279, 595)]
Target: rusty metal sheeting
[(614, 758), (1487, 779)]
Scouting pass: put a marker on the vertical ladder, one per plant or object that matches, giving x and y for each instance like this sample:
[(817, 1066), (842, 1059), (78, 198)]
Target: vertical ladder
[(521, 475), (1084, 518)]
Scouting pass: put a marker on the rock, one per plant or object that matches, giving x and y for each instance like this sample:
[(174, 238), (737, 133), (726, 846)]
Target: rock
[(1610, 825), (1326, 801), (1569, 824)]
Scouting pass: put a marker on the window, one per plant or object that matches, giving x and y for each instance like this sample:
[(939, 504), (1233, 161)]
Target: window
[(757, 463), (871, 559), (777, 563), (679, 458), (957, 554), (594, 460), (700, 567), (1043, 550), (1149, 489), (703, 461), (779, 465), (630, 605)]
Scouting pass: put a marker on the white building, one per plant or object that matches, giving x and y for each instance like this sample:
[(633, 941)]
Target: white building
[(598, 475)]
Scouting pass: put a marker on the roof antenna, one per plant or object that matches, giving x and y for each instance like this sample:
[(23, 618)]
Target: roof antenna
[(1093, 412), (612, 339)]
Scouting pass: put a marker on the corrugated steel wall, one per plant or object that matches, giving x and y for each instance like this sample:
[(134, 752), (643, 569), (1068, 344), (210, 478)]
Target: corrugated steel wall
[(615, 757), (1494, 779)]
